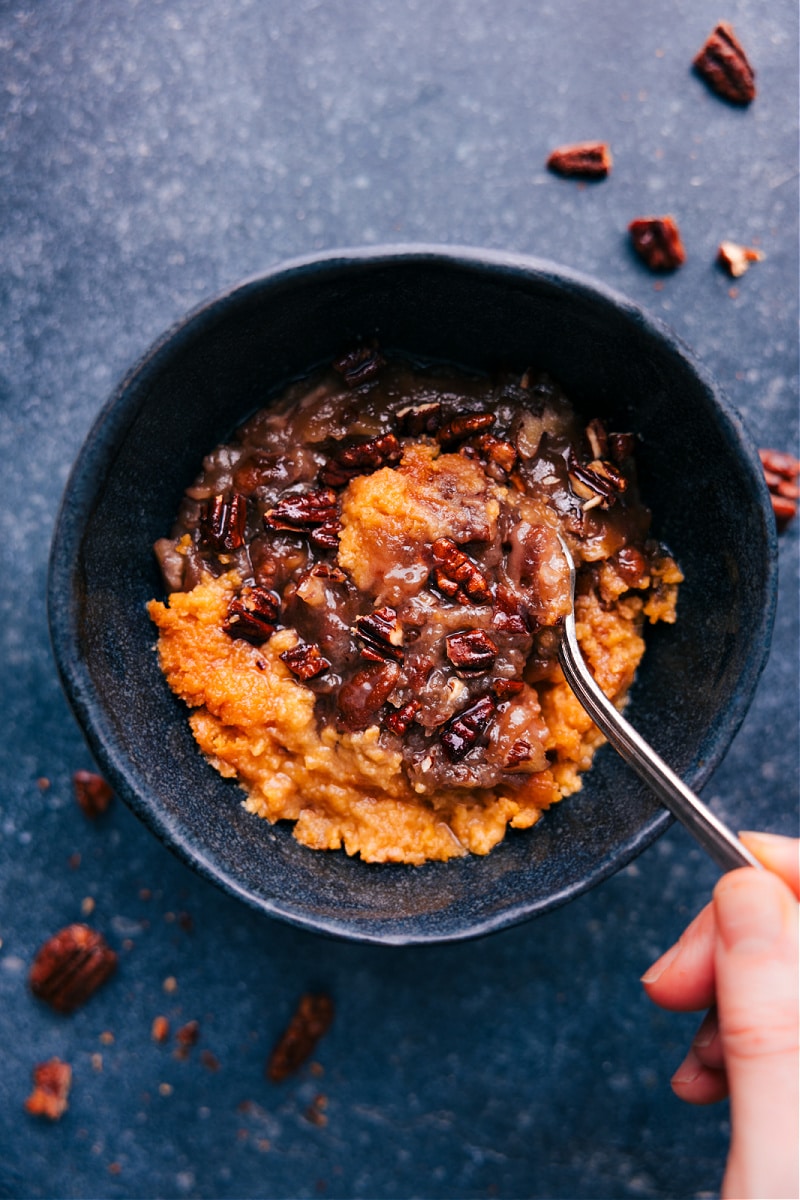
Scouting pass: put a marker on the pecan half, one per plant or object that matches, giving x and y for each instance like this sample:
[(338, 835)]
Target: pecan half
[(398, 720), (367, 691), (498, 451), (222, 522), (70, 967), (360, 458), (414, 420), (781, 471), (303, 511), (457, 576), (253, 615), (305, 660), (359, 365), (724, 66), (584, 160), (471, 652), (461, 732), (310, 1021), (737, 259), (465, 426), (92, 793), (382, 635), (51, 1084), (326, 536), (657, 241)]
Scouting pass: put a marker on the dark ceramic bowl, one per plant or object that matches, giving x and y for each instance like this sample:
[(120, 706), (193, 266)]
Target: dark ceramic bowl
[(701, 477)]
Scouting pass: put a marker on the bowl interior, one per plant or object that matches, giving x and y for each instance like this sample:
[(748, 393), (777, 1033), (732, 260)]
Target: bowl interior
[(699, 474)]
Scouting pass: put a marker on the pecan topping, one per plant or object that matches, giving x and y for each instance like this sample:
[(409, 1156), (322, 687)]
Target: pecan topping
[(310, 1021), (366, 692), (781, 471), (360, 458), (416, 419), (223, 521), (456, 576), (471, 652), (498, 451), (304, 511), (92, 793), (382, 635), (723, 64), (598, 484), (359, 365), (737, 259), (305, 660), (463, 427), (621, 446), (504, 689), (70, 967), (509, 616), (398, 719), (585, 160), (253, 615), (597, 437), (51, 1083), (326, 536), (631, 565), (519, 753), (462, 731), (657, 241)]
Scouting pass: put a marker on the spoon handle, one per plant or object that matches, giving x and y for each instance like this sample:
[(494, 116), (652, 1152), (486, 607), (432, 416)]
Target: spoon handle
[(712, 834)]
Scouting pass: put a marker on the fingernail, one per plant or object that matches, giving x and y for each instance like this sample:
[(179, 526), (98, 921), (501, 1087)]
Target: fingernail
[(688, 1071), (749, 909), (705, 1035), (660, 965)]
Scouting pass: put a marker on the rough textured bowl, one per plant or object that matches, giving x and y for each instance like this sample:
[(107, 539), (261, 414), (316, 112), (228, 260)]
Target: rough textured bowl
[(700, 475)]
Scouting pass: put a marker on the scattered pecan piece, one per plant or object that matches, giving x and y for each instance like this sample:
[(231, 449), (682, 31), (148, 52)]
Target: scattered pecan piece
[(311, 1021), (462, 731), (657, 241), (382, 635), (253, 615), (457, 576), (70, 967), (362, 696), (159, 1031), (414, 420), (360, 458), (305, 660), (359, 365), (51, 1084), (471, 652), (398, 720), (724, 66), (223, 521), (92, 793), (781, 471), (463, 427), (584, 160), (736, 259)]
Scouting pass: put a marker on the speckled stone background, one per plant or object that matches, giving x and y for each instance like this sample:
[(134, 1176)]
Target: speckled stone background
[(152, 153)]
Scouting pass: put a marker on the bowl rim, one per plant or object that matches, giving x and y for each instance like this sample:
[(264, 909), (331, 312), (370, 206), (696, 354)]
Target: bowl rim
[(94, 462)]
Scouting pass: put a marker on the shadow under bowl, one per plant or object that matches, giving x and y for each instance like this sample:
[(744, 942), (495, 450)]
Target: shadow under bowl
[(700, 475)]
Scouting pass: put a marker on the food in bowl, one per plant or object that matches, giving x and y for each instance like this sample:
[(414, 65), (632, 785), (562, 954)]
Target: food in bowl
[(366, 589)]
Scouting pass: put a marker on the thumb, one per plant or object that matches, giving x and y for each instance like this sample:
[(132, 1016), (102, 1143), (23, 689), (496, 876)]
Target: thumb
[(756, 966)]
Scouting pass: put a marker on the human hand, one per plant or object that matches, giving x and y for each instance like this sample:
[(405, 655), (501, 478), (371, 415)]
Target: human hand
[(739, 959)]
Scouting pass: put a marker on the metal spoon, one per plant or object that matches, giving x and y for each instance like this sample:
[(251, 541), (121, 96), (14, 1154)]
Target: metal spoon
[(714, 836)]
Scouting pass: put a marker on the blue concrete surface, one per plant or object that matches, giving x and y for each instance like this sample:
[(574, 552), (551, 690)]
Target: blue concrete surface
[(152, 153)]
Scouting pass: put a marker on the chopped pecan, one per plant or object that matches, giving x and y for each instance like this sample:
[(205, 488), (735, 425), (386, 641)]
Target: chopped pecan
[(463, 427), (367, 691), (498, 451), (457, 576), (51, 1084), (598, 484), (736, 259), (360, 458), (631, 565), (253, 615), (326, 536), (305, 660), (414, 420), (382, 635), (70, 967), (398, 720), (359, 365), (92, 793), (222, 522), (471, 652), (519, 753), (304, 511), (724, 66), (509, 616), (621, 446), (504, 689), (310, 1021), (461, 732), (781, 471), (585, 160), (657, 241), (597, 437)]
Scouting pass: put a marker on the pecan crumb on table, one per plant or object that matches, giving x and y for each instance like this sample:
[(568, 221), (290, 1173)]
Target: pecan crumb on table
[(70, 967), (657, 241), (51, 1085), (724, 66), (737, 259), (92, 793), (583, 160), (310, 1021)]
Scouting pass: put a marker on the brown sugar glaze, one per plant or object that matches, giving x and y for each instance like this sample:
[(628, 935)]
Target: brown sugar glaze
[(390, 532)]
